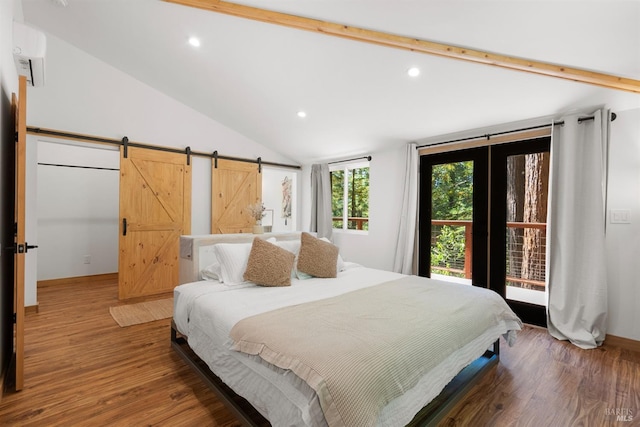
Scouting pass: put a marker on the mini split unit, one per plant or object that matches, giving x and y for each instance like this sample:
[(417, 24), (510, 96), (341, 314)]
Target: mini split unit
[(29, 48)]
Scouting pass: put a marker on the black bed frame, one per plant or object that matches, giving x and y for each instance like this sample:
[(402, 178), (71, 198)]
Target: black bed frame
[(430, 415)]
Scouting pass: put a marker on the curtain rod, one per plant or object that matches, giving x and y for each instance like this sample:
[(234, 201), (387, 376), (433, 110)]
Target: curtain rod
[(81, 137), (489, 135), (77, 166), (349, 160)]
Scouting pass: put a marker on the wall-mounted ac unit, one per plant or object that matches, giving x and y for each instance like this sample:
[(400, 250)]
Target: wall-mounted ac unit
[(29, 48)]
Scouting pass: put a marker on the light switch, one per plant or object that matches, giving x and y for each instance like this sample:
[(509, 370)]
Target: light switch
[(620, 216)]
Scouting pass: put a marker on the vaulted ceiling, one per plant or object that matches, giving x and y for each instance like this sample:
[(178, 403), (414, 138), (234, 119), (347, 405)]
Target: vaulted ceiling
[(254, 77)]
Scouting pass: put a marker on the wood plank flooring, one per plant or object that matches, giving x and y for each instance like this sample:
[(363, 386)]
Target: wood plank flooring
[(544, 382), (82, 369)]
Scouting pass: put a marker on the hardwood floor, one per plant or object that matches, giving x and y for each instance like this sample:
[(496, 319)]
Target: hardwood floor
[(82, 369), (545, 382)]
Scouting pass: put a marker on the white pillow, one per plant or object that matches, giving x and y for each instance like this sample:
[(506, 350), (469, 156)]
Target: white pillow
[(340, 262), (290, 245), (211, 272), (233, 258)]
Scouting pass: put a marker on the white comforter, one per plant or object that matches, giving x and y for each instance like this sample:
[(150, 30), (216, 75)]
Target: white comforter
[(206, 312), (229, 304)]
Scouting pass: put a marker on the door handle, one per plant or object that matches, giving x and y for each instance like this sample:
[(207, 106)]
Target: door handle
[(20, 248), (124, 226)]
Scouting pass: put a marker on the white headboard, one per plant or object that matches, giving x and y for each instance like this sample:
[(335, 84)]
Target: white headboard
[(195, 250)]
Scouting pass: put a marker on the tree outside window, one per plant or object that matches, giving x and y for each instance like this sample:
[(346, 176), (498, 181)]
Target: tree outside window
[(350, 197)]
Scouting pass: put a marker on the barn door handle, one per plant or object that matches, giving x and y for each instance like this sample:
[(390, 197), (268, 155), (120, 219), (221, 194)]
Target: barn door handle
[(124, 226)]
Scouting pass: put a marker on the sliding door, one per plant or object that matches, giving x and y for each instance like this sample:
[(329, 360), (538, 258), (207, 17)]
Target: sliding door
[(453, 216), (155, 210), (235, 185)]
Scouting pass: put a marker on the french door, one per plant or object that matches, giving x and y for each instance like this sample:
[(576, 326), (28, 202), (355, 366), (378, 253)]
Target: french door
[(483, 221), (453, 216), (517, 253)]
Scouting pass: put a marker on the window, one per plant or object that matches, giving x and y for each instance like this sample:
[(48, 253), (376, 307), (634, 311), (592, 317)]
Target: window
[(350, 196)]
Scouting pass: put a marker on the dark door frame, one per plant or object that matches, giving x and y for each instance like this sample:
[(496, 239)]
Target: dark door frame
[(489, 213), (480, 158), (529, 313)]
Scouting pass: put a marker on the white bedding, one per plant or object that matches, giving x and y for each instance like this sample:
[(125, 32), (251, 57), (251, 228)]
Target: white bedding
[(206, 311), (231, 303)]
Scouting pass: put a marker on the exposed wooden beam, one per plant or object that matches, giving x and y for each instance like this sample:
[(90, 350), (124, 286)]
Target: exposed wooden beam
[(415, 45)]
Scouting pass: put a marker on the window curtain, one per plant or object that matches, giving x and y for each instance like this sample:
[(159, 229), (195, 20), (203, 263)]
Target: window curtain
[(576, 270), (405, 245), (321, 213)]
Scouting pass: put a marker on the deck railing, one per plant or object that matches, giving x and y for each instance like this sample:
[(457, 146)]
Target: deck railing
[(525, 251), (450, 259), (358, 221)]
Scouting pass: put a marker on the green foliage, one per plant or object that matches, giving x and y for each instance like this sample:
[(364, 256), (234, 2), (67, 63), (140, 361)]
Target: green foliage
[(452, 199), (452, 191), (357, 203), (337, 199), (448, 249)]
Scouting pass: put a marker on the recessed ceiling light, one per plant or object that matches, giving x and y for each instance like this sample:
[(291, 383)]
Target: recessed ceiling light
[(413, 71), (302, 114), (194, 41)]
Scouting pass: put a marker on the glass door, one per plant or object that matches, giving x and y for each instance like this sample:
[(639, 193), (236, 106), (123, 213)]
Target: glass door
[(453, 216), (519, 188), (483, 221)]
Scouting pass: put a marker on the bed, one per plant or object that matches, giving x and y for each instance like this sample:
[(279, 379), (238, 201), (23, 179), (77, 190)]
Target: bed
[(366, 347)]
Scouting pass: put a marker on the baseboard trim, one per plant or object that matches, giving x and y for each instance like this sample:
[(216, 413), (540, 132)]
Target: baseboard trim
[(79, 279), (613, 340), (32, 308), (626, 343)]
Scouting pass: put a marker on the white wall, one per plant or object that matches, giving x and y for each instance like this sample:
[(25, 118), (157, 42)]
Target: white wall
[(77, 210), (272, 197), (85, 95), (31, 225), (375, 248), (623, 240), (200, 195)]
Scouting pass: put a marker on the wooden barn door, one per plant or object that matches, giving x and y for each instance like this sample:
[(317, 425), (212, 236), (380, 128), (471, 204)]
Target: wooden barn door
[(234, 186), (155, 209)]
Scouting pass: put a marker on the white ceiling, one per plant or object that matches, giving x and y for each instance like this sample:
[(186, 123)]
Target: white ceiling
[(253, 77)]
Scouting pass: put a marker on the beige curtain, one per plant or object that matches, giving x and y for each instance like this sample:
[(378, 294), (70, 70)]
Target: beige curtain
[(405, 245), (577, 279), (321, 213)]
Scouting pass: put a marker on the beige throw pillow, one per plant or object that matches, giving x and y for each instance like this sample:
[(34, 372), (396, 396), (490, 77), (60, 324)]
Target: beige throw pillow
[(269, 265), (317, 257)]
